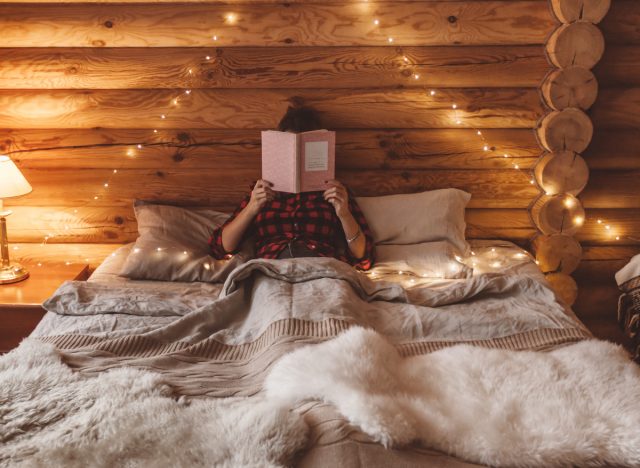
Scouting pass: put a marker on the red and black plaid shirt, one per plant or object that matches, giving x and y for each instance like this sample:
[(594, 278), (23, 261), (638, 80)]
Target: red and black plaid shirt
[(306, 217)]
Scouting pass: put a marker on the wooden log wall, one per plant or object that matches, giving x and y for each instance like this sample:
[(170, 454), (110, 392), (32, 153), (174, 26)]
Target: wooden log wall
[(613, 154), (83, 83)]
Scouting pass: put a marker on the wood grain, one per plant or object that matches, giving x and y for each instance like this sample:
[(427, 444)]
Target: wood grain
[(619, 67), (271, 67), (617, 108), (613, 149), (73, 187), (262, 108), (214, 149), (612, 189), (193, 25), (620, 26)]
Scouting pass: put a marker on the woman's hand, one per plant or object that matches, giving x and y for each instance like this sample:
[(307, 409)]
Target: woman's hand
[(260, 195), (338, 196)]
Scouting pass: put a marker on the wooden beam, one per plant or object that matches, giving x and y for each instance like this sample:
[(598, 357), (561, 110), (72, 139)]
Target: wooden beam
[(271, 67), (260, 109), (194, 25)]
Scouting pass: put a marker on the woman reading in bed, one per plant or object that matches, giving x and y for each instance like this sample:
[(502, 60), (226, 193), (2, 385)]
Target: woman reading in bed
[(307, 224)]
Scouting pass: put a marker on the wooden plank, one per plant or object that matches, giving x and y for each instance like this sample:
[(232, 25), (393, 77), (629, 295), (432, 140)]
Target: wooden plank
[(73, 187), (193, 25), (623, 222), (613, 149), (612, 189), (620, 66), (272, 67), (234, 108), (617, 108), (221, 2), (620, 26), (92, 254), (212, 149), (117, 224)]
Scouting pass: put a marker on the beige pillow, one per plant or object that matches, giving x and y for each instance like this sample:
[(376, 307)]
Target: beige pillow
[(173, 245), (426, 260), (418, 217)]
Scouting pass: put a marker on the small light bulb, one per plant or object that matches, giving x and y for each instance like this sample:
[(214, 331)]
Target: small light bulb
[(532, 181), (485, 147), (215, 38), (599, 221), (390, 39), (39, 264), (578, 220), (175, 102), (432, 92), (400, 272), (416, 76), (67, 263), (106, 184), (454, 106), (617, 237), (155, 131), (184, 252), (15, 247), (231, 18), (130, 152), (136, 250), (115, 171), (516, 166), (607, 227), (493, 249), (190, 71), (376, 22), (569, 202), (207, 266), (405, 59), (95, 198), (458, 122), (188, 91), (163, 116), (75, 211), (208, 57), (506, 155), (159, 249), (479, 132)]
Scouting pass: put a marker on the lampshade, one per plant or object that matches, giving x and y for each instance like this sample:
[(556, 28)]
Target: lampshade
[(12, 182)]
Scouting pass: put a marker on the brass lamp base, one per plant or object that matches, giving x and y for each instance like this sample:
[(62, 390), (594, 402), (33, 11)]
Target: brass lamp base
[(13, 273)]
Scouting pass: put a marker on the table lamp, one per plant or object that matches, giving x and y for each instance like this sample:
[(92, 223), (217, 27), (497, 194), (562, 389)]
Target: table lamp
[(12, 184)]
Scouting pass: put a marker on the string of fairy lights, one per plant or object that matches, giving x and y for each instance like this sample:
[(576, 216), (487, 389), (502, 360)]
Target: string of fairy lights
[(457, 119)]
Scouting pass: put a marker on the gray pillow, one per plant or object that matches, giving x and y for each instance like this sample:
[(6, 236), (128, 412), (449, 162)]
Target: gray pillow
[(173, 245), (413, 218)]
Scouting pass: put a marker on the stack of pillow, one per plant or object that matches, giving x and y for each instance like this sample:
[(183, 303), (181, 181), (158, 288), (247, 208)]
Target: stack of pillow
[(419, 234)]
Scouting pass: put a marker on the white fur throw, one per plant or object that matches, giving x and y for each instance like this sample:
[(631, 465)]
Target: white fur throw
[(52, 416), (577, 405)]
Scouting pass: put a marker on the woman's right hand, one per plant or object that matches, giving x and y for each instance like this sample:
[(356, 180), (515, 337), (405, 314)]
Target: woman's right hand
[(260, 195)]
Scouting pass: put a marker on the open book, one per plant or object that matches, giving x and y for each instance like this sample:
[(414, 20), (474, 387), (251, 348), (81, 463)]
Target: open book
[(298, 162)]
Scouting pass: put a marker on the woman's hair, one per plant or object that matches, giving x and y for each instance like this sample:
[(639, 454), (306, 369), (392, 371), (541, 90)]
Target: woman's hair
[(300, 119)]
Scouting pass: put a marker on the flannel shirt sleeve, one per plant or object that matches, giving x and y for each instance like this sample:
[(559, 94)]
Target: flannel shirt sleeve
[(368, 259), (215, 241)]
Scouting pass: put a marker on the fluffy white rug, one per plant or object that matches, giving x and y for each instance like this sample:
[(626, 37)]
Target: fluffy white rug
[(51, 416), (577, 405)]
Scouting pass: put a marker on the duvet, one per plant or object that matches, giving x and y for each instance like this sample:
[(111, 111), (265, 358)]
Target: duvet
[(227, 349)]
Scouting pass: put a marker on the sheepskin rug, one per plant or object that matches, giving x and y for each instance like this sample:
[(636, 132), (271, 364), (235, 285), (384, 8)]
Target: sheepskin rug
[(577, 405), (52, 416)]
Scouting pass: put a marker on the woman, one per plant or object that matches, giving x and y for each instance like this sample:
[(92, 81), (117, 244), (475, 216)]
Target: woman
[(308, 224)]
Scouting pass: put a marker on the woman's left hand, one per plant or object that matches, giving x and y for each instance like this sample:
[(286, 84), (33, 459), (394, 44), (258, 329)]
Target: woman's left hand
[(337, 195)]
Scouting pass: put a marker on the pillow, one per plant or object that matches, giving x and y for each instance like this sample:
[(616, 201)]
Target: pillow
[(418, 217), (428, 260), (173, 245)]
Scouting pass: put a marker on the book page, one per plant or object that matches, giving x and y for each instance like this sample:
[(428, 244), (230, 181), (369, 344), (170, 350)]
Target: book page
[(279, 160), (316, 156)]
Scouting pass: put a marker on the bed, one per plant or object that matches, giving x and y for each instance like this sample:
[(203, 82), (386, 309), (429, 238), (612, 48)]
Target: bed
[(283, 362)]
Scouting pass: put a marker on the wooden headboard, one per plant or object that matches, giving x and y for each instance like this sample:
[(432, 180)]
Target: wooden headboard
[(83, 84)]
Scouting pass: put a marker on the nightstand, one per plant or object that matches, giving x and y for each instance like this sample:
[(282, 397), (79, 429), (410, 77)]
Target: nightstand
[(21, 303)]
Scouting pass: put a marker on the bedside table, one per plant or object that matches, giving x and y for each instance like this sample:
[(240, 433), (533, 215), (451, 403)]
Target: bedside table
[(21, 303)]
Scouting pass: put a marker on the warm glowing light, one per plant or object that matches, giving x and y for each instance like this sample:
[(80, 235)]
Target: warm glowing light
[(532, 181), (416, 76), (578, 220), (390, 39), (599, 221), (400, 272), (506, 155), (458, 122), (207, 266), (188, 91), (139, 146), (159, 249), (454, 106), (185, 252), (485, 147), (516, 166), (405, 59), (215, 38), (106, 184), (617, 237), (163, 116), (175, 102), (208, 57), (479, 133), (136, 250), (496, 264), (115, 171), (96, 197), (607, 227), (130, 152), (569, 202), (231, 18), (432, 92), (376, 22)]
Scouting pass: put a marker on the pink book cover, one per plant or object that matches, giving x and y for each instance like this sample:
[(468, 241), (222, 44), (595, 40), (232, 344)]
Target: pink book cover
[(298, 162), (279, 151)]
